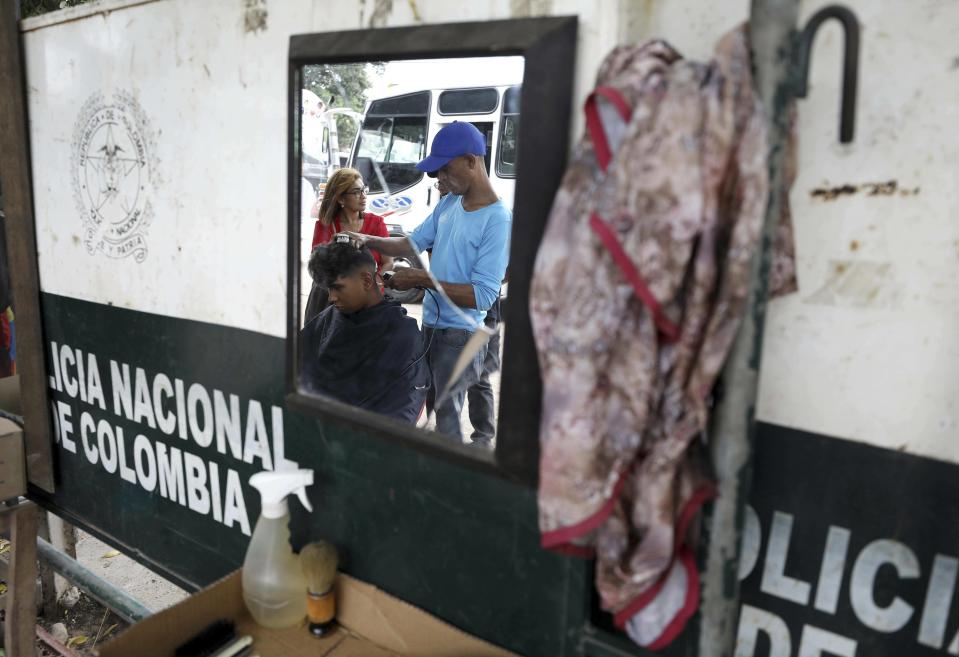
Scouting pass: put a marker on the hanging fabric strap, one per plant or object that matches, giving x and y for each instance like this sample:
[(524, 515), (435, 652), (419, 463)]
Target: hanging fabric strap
[(604, 152)]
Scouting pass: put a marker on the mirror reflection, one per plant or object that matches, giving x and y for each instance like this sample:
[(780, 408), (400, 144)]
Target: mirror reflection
[(407, 177)]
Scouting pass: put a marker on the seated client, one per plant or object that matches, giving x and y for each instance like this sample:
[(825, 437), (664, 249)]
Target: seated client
[(361, 350)]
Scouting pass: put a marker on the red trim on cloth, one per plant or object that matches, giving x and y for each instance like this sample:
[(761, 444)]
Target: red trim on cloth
[(689, 510), (606, 235), (689, 607), (559, 539), (641, 600), (573, 550), (685, 557), (594, 124)]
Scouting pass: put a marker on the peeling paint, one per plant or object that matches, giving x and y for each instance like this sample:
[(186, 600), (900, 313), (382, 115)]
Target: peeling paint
[(526, 8), (860, 284), (381, 13), (888, 188), (254, 16)]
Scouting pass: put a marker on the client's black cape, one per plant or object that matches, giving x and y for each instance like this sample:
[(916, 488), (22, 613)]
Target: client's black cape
[(371, 359)]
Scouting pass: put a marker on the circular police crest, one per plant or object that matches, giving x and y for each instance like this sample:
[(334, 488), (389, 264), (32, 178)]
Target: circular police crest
[(113, 169)]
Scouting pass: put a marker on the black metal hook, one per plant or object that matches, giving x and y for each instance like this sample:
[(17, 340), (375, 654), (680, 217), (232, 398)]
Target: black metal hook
[(850, 66)]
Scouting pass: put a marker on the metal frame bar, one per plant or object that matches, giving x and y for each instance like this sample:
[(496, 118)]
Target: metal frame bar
[(120, 602), (780, 64), (772, 36)]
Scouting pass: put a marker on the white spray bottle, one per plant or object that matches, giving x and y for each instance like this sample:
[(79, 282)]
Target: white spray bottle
[(273, 587)]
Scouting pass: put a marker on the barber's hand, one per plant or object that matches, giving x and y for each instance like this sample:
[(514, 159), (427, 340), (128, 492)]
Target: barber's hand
[(405, 278), (362, 238)]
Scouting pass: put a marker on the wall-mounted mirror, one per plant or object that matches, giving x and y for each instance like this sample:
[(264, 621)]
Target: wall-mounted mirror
[(422, 167)]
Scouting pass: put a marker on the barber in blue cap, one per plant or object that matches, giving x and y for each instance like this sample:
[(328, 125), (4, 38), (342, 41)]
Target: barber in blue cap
[(468, 232)]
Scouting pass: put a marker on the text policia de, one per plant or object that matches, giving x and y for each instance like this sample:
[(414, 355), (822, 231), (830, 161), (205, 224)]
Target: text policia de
[(188, 413), (842, 593)]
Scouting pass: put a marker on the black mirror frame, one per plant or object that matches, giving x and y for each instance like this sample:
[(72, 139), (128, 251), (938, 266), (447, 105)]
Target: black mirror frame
[(548, 45)]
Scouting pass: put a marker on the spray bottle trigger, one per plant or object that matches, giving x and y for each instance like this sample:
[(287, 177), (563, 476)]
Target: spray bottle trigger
[(304, 500)]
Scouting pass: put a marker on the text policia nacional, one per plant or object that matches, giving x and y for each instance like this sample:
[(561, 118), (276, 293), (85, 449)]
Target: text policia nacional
[(188, 413)]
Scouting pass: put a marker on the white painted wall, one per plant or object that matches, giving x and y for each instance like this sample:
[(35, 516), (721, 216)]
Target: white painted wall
[(867, 349), (215, 95), (864, 351)]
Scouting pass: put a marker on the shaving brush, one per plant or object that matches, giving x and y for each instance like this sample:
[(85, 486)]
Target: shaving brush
[(319, 561)]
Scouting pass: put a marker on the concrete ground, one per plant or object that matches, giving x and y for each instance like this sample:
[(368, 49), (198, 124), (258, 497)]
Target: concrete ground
[(138, 581)]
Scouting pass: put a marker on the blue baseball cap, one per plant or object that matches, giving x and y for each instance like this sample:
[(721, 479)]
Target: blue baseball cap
[(458, 138)]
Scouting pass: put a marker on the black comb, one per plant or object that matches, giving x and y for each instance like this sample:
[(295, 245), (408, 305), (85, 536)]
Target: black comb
[(209, 640)]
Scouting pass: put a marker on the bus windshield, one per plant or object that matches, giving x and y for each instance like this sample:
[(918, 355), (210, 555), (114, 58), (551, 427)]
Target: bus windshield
[(393, 139)]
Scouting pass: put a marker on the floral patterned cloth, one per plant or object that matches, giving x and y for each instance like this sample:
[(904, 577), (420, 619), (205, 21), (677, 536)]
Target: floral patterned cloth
[(639, 287)]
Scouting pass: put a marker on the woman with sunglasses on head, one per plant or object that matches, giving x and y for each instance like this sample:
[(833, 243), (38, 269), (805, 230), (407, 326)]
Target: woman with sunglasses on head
[(342, 209)]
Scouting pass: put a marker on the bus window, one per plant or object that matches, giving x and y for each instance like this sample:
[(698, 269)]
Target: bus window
[(468, 101), (509, 134), (393, 139), (487, 130)]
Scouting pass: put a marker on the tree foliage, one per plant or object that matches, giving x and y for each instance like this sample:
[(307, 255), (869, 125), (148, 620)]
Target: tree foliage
[(30, 8), (341, 85)]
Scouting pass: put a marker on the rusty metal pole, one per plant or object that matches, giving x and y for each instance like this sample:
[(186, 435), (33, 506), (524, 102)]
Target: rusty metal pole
[(772, 35)]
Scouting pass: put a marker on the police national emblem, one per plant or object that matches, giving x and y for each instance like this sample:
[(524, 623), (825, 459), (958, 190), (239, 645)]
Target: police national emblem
[(114, 166)]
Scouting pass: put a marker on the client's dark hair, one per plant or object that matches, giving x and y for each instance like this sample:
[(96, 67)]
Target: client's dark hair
[(330, 261)]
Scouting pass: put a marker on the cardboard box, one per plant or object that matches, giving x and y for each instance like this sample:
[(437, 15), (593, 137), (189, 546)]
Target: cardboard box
[(10, 394), (13, 474), (372, 624)]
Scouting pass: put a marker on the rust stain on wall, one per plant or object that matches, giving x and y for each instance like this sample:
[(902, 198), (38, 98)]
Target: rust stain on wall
[(888, 188), (832, 193), (416, 11)]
